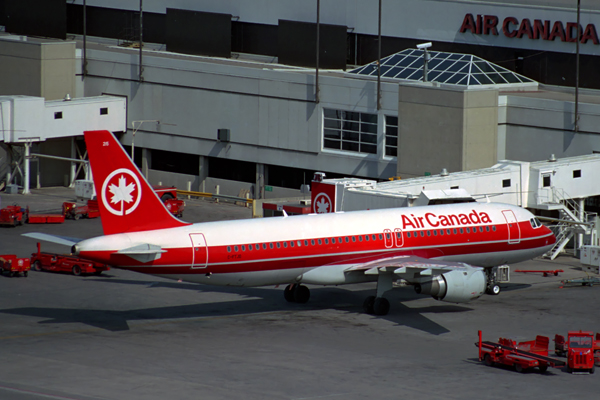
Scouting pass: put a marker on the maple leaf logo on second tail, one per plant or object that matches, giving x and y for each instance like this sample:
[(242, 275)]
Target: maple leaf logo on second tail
[(121, 193)]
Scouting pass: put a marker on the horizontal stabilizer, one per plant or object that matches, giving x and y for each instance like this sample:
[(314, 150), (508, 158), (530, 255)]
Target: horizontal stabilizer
[(143, 252), (67, 241)]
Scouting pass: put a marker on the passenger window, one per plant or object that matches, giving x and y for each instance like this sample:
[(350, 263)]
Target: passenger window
[(285, 245), (481, 229), (291, 243), (312, 242), (347, 239), (380, 237), (428, 233), (407, 234), (229, 249), (264, 246), (360, 238), (454, 231), (270, 245), (494, 228), (326, 241), (249, 247), (243, 247), (367, 238), (462, 231), (448, 232), (468, 230), (320, 241), (236, 248), (434, 233), (332, 240), (306, 242), (441, 232), (422, 234), (278, 245), (354, 238), (487, 228)]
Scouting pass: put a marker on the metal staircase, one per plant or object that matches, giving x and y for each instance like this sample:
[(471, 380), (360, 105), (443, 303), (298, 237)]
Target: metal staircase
[(572, 221)]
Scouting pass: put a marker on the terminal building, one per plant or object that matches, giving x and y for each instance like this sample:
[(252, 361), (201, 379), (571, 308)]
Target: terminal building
[(241, 94)]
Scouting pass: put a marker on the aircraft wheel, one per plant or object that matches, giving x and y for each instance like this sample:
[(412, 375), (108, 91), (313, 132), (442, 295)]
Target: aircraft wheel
[(494, 289), (368, 305), (76, 270), (288, 294), (301, 294), (381, 306)]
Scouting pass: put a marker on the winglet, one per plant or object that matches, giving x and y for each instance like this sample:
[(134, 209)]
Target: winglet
[(126, 200)]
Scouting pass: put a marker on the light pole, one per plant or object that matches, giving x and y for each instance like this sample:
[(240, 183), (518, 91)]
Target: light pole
[(424, 47)]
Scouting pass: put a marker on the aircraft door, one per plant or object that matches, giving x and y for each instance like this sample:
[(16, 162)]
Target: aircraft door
[(514, 231), (199, 251), (398, 237), (387, 236)]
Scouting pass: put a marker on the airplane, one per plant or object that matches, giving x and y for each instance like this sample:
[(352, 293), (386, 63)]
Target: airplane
[(446, 251)]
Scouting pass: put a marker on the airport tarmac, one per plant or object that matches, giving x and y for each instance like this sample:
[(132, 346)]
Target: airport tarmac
[(125, 335)]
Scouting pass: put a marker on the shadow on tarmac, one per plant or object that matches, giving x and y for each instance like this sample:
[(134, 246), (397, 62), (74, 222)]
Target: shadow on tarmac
[(256, 301)]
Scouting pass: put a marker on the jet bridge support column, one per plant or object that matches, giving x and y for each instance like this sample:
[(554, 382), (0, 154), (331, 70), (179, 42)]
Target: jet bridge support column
[(582, 218), (26, 172)]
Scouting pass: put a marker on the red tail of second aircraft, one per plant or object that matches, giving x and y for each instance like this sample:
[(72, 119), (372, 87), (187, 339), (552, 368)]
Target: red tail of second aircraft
[(127, 202)]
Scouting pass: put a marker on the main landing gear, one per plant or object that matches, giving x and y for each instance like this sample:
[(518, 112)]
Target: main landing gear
[(296, 293), (379, 305)]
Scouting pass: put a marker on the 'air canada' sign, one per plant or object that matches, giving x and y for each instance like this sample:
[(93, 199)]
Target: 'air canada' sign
[(513, 28)]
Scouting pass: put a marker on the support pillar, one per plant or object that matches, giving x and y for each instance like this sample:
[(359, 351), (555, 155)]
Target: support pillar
[(260, 181), (26, 178), (202, 173), (73, 170), (582, 218), (146, 162)]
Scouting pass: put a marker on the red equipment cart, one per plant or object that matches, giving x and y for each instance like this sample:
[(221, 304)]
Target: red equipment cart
[(13, 215), (523, 356), (583, 352), (71, 210), (13, 265), (65, 263)]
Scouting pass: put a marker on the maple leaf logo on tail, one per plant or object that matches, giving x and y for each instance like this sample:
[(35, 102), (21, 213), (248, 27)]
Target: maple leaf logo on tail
[(122, 192), (323, 204)]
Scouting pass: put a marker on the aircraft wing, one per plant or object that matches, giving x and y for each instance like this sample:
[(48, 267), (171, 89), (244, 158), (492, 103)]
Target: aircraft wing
[(408, 266)]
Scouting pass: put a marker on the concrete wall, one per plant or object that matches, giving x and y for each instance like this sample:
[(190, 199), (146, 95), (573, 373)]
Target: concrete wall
[(445, 127), (41, 68), (269, 110)]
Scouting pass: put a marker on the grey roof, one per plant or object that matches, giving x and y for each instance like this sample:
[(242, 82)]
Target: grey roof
[(443, 67)]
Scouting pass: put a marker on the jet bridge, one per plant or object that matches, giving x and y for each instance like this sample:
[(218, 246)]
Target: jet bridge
[(27, 121)]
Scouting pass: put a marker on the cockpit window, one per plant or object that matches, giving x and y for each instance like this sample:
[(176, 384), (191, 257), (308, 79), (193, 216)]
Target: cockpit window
[(535, 223)]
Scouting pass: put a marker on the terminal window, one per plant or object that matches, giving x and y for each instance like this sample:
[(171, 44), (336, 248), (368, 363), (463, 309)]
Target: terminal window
[(350, 131), (391, 136)]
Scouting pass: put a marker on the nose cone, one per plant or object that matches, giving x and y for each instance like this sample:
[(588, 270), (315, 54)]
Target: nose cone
[(551, 238)]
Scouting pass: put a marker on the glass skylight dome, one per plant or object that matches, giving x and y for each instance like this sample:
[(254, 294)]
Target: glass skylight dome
[(447, 68)]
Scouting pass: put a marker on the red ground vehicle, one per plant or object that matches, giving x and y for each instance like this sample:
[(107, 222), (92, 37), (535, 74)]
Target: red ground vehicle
[(71, 210), (168, 195), (523, 356), (580, 352), (65, 263), (13, 215), (13, 265)]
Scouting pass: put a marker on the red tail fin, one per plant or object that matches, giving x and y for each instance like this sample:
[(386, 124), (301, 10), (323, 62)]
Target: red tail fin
[(127, 202)]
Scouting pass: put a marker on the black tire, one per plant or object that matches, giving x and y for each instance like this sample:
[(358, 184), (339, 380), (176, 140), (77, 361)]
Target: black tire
[(76, 270), (301, 294), (487, 359), (494, 290), (288, 294), (98, 272), (37, 265), (166, 196), (593, 369), (543, 368), (368, 305), (381, 306), (519, 368), (76, 216), (25, 273)]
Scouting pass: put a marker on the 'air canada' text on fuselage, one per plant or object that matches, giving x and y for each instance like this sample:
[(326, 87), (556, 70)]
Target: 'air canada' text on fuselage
[(432, 220)]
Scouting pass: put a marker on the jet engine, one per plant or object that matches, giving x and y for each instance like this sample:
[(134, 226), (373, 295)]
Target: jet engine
[(456, 286)]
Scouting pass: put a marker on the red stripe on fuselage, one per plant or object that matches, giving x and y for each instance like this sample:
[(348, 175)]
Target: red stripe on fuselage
[(347, 249)]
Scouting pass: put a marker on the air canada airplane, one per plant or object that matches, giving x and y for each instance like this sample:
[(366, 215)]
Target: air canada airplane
[(446, 251)]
